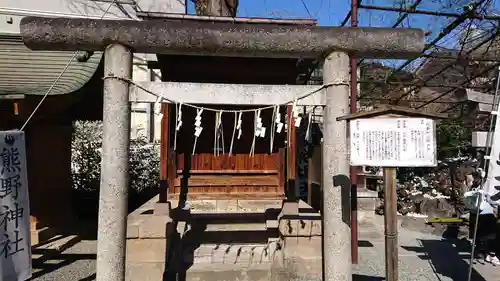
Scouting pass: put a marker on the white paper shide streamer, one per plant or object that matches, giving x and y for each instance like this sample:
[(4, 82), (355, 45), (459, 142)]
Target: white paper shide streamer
[(238, 125), (178, 123), (179, 118), (279, 124), (260, 130), (218, 137), (197, 127), (296, 114)]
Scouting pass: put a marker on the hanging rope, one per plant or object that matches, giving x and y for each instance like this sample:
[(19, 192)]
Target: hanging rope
[(255, 131), (221, 135), (218, 134), (60, 75), (308, 130), (216, 127), (234, 133), (271, 145), (297, 98)]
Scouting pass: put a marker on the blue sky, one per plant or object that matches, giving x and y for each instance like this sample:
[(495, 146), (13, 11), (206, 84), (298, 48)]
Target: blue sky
[(326, 11), (332, 13)]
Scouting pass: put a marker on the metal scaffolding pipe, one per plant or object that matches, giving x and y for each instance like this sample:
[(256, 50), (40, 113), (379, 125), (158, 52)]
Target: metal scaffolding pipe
[(354, 184), (430, 13)]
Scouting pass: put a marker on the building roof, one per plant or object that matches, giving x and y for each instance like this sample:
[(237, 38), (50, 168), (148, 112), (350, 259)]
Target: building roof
[(391, 109), (23, 71), (253, 20)]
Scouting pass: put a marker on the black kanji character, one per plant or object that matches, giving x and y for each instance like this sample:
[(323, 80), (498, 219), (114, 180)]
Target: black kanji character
[(4, 217), (10, 247), (9, 186), (14, 215), (10, 160)]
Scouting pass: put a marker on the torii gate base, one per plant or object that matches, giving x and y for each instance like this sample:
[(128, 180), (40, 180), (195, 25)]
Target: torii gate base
[(149, 238)]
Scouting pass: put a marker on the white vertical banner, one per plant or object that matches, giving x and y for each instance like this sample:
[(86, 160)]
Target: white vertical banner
[(491, 186), (15, 245)]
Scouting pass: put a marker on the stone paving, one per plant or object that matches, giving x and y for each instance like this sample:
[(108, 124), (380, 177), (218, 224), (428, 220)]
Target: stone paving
[(423, 257)]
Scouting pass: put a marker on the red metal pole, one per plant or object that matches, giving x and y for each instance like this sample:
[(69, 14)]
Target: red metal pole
[(354, 188)]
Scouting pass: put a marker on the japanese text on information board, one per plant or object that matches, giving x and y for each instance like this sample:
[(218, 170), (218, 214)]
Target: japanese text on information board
[(393, 142)]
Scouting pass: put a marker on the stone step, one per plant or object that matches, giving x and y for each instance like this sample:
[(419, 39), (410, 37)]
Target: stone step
[(245, 255), (226, 233), (203, 272), (229, 273), (367, 200), (184, 227), (230, 206)]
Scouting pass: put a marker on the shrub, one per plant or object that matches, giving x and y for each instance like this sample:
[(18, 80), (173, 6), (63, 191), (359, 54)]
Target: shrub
[(86, 146)]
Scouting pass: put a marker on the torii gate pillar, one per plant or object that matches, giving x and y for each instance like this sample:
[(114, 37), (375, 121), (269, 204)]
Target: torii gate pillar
[(336, 232), (113, 194)]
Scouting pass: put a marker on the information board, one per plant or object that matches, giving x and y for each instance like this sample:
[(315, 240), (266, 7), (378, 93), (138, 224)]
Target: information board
[(393, 142), (15, 245)]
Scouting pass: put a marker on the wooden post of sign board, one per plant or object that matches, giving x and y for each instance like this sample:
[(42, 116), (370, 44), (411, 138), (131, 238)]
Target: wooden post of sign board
[(390, 192), (391, 224)]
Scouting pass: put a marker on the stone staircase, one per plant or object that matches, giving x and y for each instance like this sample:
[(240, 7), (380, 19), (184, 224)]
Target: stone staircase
[(228, 240), (212, 240)]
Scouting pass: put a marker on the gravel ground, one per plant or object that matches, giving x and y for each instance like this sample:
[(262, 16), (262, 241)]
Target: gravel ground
[(423, 257), (74, 264)]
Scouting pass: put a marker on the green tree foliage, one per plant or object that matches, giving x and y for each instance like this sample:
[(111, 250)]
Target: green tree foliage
[(86, 160), (452, 136)]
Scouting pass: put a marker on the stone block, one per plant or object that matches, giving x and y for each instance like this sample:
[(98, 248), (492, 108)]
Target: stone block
[(162, 209), (288, 227), (132, 229), (202, 206), (300, 227), (144, 271), (227, 206), (310, 227), (35, 224), (258, 205), (367, 204), (310, 247), (146, 250), (59, 243), (41, 235), (299, 268), (290, 209), (366, 216), (272, 224), (254, 274), (154, 227)]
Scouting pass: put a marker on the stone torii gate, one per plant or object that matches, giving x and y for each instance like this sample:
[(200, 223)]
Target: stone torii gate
[(119, 38)]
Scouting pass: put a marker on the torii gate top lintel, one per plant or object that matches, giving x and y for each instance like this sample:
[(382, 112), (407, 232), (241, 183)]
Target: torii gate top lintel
[(189, 37)]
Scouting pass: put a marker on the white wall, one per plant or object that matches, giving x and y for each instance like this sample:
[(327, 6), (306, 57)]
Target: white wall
[(140, 111), (14, 10)]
